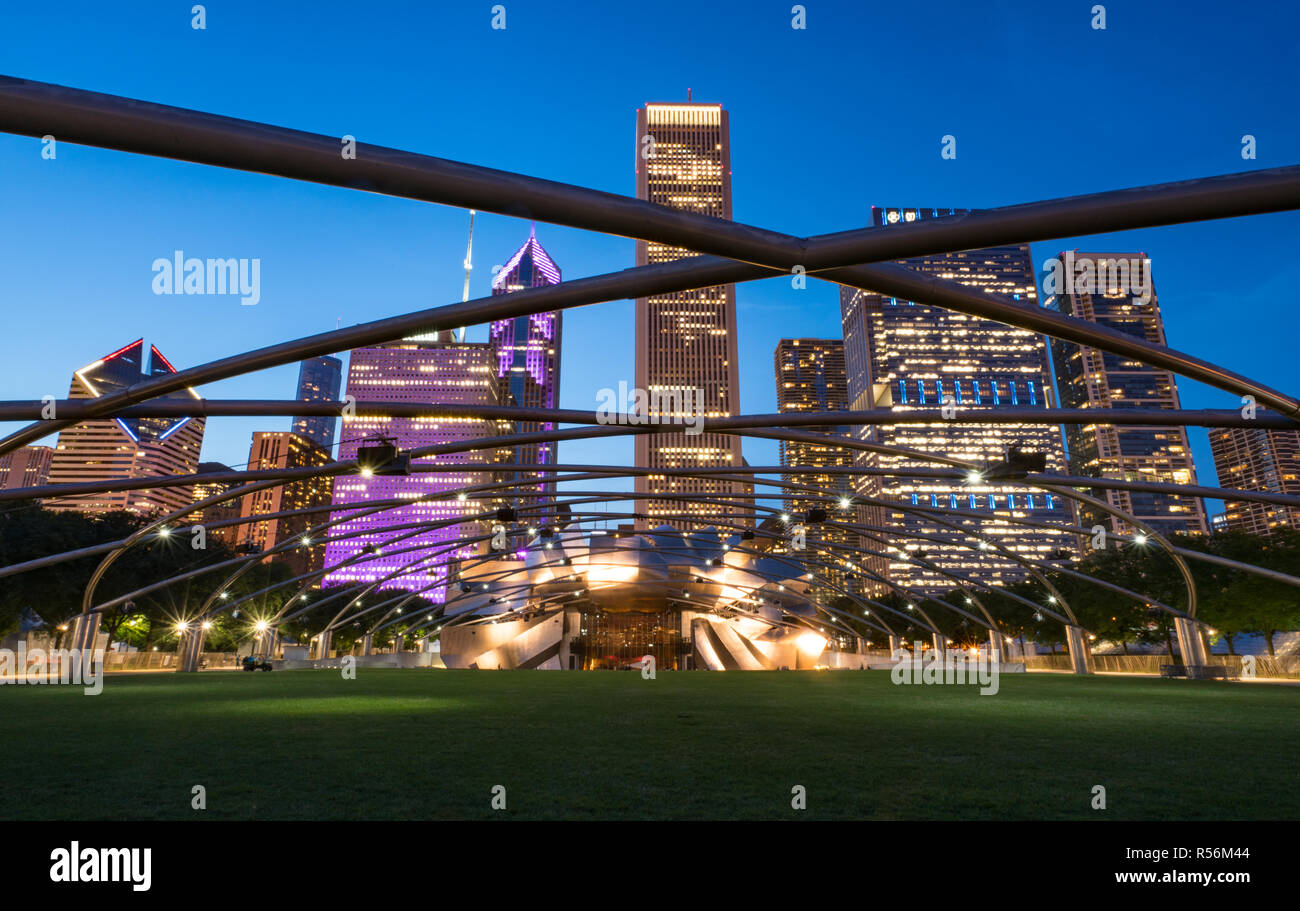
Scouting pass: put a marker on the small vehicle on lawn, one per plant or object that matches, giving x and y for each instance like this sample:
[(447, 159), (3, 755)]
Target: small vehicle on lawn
[(255, 664)]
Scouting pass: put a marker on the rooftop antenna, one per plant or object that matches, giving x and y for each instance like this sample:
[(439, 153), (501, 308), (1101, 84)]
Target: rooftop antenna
[(688, 94), (469, 253)]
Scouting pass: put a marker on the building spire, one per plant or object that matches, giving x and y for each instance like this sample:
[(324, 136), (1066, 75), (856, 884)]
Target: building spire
[(469, 255)]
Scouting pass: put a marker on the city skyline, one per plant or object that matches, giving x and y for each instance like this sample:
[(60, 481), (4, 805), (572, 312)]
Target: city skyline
[(531, 266), (828, 197)]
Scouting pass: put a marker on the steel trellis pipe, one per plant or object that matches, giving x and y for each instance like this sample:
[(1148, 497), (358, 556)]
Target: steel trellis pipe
[(850, 445), (74, 409), (607, 495), (91, 118)]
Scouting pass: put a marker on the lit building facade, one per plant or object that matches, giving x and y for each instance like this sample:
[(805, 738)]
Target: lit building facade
[(1089, 378), (279, 450), (810, 377), (124, 448), (526, 354), (422, 372), (1248, 458), (26, 467), (686, 341), (905, 356), (319, 379), (224, 511)]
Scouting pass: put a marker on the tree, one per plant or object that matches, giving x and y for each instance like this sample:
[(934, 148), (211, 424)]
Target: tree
[(55, 593)]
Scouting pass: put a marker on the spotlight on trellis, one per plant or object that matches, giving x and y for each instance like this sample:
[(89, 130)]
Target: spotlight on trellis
[(381, 456), (1018, 463)]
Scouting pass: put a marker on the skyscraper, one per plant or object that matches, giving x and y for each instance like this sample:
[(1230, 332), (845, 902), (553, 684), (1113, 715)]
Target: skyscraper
[(224, 511), (526, 352), (906, 356), (423, 372), (1248, 458), (686, 341), (26, 467), (810, 377), (319, 379), (1110, 291), (273, 450), (122, 448)]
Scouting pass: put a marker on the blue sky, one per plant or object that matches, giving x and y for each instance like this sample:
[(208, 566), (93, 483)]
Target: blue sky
[(825, 123)]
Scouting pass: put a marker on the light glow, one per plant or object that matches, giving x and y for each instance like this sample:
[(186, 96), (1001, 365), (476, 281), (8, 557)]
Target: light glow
[(811, 644)]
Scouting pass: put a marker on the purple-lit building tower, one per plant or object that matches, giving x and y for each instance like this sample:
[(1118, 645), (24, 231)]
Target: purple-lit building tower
[(424, 372), (526, 353)]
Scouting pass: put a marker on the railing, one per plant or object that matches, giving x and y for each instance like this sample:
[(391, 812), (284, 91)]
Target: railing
[(1151, 664), (152, 661), (139, 661)]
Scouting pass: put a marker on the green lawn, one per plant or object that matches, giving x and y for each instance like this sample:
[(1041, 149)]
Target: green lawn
[(414, 744)]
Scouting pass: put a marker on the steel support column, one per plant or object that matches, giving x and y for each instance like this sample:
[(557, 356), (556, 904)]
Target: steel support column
[(1080, 654), (1190, 645)]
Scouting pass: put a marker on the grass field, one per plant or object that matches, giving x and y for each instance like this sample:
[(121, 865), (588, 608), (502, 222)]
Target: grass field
[(411, 744)]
